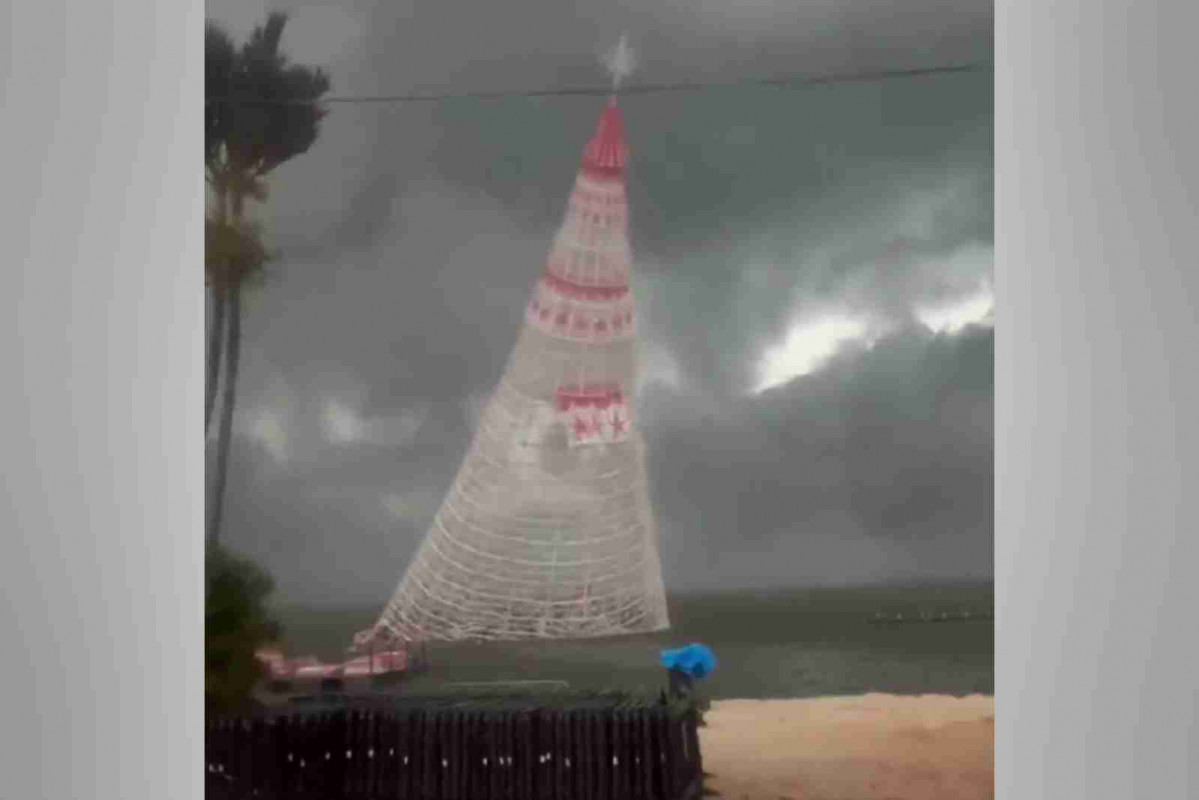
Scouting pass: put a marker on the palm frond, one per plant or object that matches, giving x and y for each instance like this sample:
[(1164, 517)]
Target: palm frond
[(258, 137), (219, 59), (233, 253)]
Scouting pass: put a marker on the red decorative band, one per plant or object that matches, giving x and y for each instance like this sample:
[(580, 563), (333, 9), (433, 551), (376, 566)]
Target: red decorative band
[(580, 327), (595, 395), (602, 172), (580, 291)]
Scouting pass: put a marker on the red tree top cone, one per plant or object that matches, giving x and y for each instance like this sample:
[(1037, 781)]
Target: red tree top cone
[(606, 153)]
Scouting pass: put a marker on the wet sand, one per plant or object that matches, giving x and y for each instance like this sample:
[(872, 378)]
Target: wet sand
[(932, 747)]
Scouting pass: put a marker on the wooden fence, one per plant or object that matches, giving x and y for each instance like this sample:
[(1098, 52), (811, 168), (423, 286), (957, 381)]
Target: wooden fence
[(459, 752)]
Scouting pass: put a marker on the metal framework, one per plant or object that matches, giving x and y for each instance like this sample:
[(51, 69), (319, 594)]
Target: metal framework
[(547, 531)]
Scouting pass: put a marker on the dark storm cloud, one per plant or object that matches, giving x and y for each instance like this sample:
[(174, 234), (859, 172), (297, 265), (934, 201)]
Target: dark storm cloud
[(455, 45), (334, 529), (410, 235), (428, 311), (893, 443), (878, 466), (823, 171), (547, 42)]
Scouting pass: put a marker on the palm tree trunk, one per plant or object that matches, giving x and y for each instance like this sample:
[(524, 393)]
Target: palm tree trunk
[(220, 301), (215, 342), (233, 348)]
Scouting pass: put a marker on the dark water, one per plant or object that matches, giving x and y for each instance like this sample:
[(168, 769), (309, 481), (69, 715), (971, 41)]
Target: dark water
[(797, 643)]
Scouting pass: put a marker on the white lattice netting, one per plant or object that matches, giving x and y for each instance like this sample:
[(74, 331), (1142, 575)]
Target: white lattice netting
[(547, 531)]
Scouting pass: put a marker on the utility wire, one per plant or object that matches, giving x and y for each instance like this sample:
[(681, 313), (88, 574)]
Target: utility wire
[(652, 88)]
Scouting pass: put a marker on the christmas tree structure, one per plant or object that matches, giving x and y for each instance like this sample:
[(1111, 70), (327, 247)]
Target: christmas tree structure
[(547, 531)]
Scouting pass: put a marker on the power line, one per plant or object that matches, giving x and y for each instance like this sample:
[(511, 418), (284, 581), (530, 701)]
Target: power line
[(652, 88)]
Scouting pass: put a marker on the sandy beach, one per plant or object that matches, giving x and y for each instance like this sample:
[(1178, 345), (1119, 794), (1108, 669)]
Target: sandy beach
[(887, 747)]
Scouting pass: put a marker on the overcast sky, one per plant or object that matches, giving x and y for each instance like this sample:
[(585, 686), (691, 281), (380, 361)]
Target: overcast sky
[(814, 273)]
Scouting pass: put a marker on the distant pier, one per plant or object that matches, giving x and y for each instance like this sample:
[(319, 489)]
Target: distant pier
[(926, 617)]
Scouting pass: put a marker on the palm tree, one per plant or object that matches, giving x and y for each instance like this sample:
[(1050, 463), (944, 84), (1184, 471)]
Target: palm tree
[(234, 258), (260, 111)]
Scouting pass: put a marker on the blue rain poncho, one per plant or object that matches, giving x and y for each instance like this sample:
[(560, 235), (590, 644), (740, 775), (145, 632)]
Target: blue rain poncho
[(695, 660)]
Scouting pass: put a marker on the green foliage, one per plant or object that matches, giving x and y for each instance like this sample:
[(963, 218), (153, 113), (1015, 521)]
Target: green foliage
[(259, 110), (236, 624), (234, 254), (219, 57)]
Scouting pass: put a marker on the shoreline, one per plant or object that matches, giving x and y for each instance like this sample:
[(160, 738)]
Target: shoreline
[(886, 746)]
